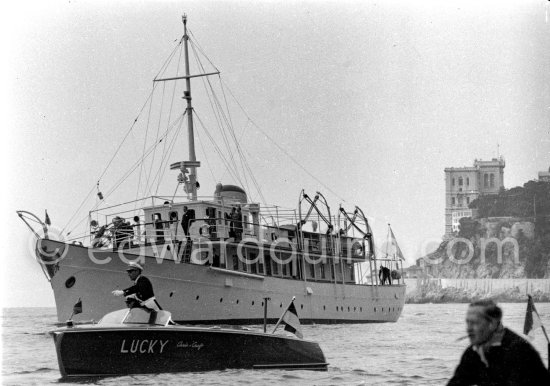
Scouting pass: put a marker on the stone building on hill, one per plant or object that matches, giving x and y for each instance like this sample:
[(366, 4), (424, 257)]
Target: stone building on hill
[(465, 184)]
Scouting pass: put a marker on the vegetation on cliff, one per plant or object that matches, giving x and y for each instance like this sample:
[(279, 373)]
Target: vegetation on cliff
[(518, 218), (532, 200)]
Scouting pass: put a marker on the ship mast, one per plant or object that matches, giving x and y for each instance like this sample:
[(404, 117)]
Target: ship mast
[(190, 182), (187, 96)]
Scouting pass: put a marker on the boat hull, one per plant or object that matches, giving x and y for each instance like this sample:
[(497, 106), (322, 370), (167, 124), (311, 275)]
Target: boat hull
[(100, 351), (204, 294)]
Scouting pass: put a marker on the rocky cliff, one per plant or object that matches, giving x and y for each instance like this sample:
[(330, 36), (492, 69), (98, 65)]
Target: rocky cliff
[(492, 248)]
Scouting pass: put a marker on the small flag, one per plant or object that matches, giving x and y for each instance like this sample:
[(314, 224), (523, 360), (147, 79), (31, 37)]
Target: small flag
[(532, 318), (77, 308), (398, 252), (292, 321), (47, 221)]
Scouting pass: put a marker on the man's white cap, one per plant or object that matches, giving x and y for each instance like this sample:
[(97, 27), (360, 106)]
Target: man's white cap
[(132, 266)]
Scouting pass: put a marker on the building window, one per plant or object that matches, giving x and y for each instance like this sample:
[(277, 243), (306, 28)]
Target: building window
[(453, 200), (460, 181), (492, 180), (467, 181), (453, 182), (467, 200), (485, 180)]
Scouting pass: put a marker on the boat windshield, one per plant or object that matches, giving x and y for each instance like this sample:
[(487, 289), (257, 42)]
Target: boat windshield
[(137, 316)]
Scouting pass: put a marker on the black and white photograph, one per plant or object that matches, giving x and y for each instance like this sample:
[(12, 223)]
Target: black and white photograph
[(228, 192)]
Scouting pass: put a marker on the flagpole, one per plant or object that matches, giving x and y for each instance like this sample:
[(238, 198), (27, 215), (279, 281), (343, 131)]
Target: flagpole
[(283, 315)]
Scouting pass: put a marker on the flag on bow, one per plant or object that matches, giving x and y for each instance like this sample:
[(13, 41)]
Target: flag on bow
[(77, 308), (532, 318), (291, 320)]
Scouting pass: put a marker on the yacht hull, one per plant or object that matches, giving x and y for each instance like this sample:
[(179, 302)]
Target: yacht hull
[(205, 294)]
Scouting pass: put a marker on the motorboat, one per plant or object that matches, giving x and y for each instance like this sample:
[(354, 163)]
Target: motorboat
[(140, 341)]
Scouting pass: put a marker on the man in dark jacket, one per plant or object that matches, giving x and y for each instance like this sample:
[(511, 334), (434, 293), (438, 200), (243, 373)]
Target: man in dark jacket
[(497, 356), (142, 289), (384, 274), (187, 219)]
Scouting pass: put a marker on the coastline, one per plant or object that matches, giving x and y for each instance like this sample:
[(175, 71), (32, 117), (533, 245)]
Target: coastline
[(438, 291)]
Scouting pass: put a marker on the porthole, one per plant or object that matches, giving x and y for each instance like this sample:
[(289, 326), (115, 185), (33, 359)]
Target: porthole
[(354, 309), (252, 302), (374, 309), (336, 308), (324, 308), (197, 298), (348, 308), (281, 305), (301, 306), (361, 309), (70, 282), (237, 301), (221, 300)]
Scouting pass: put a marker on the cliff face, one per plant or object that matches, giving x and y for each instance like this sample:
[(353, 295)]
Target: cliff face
[(502, 247)]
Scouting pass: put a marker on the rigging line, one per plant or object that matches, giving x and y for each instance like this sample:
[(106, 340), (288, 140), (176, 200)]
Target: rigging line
[(122, 179), (79, 207), (283, 150), (195, 42), (127, 133), (244, 162), (169, 58), (112, 158), (170, 151), (166, 156), (227, 128), (144, 146), (257, 185), (176, 124), (217, 113), (162, 69), (135, 165), (149, 99), (147, 188), (216, 147), (168, 123), (209, 167)]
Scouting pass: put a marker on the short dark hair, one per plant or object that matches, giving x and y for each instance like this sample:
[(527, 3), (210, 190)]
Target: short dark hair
[(490, 309)]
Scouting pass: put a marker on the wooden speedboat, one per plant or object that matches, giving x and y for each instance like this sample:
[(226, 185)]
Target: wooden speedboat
[(138, 341)]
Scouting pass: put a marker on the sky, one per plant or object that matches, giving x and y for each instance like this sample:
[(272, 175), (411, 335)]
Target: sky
[(369, 101)]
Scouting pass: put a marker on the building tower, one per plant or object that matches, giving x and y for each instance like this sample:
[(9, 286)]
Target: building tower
[(465, 184)]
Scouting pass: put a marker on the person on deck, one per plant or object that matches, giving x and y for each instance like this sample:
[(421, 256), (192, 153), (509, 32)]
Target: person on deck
[(496, 356), (142, 288), (186, 219), (231, 218), (384, 274), (238, 223)]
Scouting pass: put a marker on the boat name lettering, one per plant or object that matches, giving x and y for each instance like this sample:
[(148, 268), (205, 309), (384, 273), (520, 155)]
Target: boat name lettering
[(195, 345), (143, 346)]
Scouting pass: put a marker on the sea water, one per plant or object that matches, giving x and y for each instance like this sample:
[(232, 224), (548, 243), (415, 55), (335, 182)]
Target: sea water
[(420, 349)]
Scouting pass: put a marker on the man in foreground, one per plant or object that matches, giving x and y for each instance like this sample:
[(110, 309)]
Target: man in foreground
[(496, 356)]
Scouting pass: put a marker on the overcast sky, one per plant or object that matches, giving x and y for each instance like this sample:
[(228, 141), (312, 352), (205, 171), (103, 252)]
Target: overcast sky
[(373, 99)]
